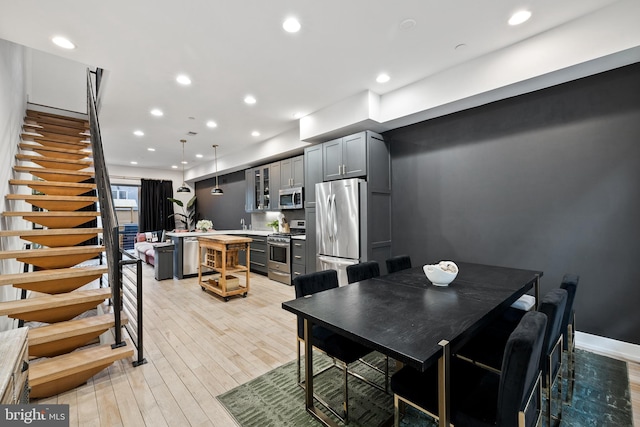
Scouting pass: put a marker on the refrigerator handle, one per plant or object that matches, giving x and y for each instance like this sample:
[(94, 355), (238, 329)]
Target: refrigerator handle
[(329, 217), (335, 215)]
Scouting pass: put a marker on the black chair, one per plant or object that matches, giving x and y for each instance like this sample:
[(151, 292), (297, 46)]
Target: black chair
[(485, 349), (480, 397), (397, 263), (341, 349), (363, 271), (570, 284)]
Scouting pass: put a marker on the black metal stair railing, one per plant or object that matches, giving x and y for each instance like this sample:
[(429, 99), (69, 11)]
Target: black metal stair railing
[(111, 230)]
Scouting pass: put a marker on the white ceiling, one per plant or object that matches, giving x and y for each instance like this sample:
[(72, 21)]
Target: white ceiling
[(231, 49)]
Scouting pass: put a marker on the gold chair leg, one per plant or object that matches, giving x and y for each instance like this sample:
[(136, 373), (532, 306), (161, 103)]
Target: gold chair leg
[(396, 411)]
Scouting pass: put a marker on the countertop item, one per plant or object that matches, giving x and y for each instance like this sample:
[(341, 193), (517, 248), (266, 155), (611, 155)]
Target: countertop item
[(218, 232)]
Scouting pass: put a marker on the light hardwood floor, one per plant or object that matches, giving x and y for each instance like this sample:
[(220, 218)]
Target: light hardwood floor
[(197, 347)]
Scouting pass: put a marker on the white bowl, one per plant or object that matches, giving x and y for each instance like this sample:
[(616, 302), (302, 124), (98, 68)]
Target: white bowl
[(441, 274)]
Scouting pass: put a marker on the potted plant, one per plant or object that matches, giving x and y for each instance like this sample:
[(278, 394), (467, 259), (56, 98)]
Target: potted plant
[(274, 224), (188, 216)]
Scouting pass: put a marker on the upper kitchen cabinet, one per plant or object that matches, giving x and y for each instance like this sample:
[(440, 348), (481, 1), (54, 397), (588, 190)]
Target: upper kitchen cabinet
[(262, 187), (345, 157), (292, 172), (313, 174)]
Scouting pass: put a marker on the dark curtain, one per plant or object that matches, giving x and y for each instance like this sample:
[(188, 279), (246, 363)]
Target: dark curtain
[(155, 208)]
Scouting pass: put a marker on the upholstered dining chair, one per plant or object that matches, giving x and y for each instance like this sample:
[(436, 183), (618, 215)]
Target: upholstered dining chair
[(398, 262), (479, 397), (485, 349), (570, 284), (362, 271), (343, 350)]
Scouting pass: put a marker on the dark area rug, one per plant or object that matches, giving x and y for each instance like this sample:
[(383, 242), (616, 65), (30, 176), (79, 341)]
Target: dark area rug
[(601, 396)]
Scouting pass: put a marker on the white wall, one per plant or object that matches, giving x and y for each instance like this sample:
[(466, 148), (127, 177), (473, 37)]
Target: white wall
[(56, 82), (12, 108)]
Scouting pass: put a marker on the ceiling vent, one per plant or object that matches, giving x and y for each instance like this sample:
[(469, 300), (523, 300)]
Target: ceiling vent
[(191, 133)]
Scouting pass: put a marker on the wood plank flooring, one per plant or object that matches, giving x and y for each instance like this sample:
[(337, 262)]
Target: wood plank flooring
[(197, 347)]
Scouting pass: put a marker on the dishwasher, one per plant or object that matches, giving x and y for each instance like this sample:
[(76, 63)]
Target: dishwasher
[(190, 256)]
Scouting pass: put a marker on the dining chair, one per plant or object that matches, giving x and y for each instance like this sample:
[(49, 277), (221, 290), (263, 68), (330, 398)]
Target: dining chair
[(479, 397), (341, 349), (485, 349), (362, 271), (570, 284), (398, 262)]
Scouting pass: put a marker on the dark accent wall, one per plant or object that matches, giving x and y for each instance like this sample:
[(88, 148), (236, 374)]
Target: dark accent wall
[(548, 181), (225, 211)]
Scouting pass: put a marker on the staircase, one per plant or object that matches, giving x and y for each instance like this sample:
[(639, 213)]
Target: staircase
[(53, 162)]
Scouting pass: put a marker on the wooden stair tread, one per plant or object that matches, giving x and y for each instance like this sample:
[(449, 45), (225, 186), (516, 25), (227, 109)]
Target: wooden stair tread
[(51, 174), (62, 330), (88, 186), (47, 275), (77, 361), (56, 198), (36, 253), (62, 129), (38, 147), (56, 118), (47, 142), (52, 213), (54, 301), (35, 159), (50, 232)]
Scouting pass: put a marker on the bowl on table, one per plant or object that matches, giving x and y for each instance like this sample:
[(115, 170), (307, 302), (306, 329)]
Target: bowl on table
[(441, 274)]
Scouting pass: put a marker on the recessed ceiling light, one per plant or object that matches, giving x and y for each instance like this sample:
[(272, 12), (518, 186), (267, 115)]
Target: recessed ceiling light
[(174, 167), (199, 156), (134, 163), (383, 78), (157, 112), (291, 25), (255, 133), (183, 79), (249, 99), (407, 24), (212, 124), (151, 149), (63, 42), (138, 133), (184, 162), (519, 17)]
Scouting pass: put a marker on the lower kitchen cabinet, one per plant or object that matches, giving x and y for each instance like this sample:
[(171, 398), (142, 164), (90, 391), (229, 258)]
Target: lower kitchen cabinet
[(298, 257), (258, 254)]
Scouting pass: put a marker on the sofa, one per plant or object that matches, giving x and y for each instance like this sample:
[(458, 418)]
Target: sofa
[(144, 247)]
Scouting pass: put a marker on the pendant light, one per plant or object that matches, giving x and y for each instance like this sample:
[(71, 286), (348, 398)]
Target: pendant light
[(216, 191), (183, 188)]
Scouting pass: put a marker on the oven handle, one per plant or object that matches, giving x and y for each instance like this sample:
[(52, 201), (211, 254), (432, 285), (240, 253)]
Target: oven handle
[(279, 245), (279, 273)]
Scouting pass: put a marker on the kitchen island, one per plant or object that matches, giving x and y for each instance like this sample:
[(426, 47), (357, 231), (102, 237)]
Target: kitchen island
[(220, 254), (186, 255)]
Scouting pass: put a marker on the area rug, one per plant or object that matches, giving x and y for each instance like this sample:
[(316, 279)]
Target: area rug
[(601, 396)]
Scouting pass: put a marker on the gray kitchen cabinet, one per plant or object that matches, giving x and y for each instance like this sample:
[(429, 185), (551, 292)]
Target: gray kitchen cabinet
[(292, 172), (258, 253), (262, 186), (313, 174), (310, 242), (298, 257), (249, 204), (345, 157)]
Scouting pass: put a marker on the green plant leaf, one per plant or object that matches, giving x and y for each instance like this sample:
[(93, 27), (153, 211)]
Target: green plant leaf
[(176, 201), (191, 202)]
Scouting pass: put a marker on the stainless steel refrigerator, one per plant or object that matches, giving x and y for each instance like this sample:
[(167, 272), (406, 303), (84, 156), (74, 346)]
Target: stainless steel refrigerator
[(340, 224)]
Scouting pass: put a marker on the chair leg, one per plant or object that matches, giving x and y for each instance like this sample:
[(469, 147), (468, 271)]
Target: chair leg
[(299, 363), (396, 411), (571, 366), (346, 395)]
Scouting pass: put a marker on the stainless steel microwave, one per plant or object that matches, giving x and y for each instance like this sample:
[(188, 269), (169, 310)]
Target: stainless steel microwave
[(291, 198)]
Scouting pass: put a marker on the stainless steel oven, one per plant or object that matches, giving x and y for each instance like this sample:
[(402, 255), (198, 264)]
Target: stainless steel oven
[(279, 258)]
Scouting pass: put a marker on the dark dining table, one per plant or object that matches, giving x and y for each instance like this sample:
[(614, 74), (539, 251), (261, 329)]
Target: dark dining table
[(403, 315)]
